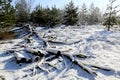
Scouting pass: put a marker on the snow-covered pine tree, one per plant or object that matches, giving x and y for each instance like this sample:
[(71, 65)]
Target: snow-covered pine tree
[(110, 17), (71, 14)]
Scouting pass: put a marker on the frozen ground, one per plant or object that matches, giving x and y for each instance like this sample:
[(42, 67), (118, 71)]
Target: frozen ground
[(95, 41)]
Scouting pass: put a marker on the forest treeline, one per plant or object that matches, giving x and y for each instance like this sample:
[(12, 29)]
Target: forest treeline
[(71, 14)]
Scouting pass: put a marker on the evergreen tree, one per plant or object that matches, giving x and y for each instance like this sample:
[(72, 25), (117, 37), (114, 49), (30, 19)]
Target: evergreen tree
[(54, 16), (46, 16), (61, 15), (97, 15), (118, 18), (94, 15), (71, 14), (7, 14), (110, 15), (23, 11), (83, 15), (91, 10), (41, 15), (37, 15)]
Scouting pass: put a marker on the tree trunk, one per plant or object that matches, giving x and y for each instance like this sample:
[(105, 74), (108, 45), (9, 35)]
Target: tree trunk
[(108, 28)]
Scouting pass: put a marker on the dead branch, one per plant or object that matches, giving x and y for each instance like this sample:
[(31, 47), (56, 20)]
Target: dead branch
[(51, 54), (101, 67), (35, 52), (81, 56), (57, 42), (52, 65), (64, 43), (22, 57), (40, 63), (84, 67), (37, 35)]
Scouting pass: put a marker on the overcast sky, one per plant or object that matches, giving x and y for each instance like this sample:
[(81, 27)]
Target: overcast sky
[(102, 4)]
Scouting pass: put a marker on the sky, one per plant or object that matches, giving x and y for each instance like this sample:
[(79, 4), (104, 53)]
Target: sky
[(102, 4), (61, 3)]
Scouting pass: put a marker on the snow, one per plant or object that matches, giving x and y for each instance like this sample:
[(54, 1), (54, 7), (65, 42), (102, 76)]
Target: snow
[(95, 41)]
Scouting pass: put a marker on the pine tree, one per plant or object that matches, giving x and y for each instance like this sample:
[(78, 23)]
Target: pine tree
[(46, 16), (36, 15), (23, 11), (41, 15), (83, 15), (7, 14), (94, 15), (54, 16), (71, 14), (110, 15)]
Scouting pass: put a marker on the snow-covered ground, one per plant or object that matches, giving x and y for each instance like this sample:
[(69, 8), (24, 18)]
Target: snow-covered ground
[(95, 41)]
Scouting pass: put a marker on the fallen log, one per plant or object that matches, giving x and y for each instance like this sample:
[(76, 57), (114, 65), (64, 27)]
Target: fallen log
[(39, 38), (58, 53), (52, 65), (35, 52), (34, 33), (81, 55), (75, 42), (57, 42), (52, 57), (28, 31), (64, 43), (21, 32), (22, 57), (17, 29), (84, 67), (101, 67), (63, 71), (53, 51), (40, 64), (55, 54)]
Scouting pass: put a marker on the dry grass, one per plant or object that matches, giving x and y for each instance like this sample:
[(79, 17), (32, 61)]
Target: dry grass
[(7, 35)]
